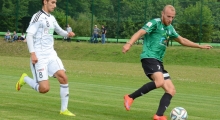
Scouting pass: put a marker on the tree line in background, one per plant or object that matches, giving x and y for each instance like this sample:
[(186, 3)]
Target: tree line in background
[(197, 20)]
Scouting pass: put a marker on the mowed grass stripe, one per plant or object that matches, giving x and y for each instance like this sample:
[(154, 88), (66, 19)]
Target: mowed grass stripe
[(95, 95), (110, 89), (106, 89)]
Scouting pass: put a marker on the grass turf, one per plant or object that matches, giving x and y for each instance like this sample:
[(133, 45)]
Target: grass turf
[(97, 87)]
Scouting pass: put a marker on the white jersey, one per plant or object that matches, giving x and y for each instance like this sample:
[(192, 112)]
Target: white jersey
[(42, 26)]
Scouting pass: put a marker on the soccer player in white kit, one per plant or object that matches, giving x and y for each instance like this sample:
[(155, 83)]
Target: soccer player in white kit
[(44, 60)]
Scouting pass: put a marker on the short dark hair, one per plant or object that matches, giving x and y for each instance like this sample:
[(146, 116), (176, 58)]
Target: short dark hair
[(43, 2)]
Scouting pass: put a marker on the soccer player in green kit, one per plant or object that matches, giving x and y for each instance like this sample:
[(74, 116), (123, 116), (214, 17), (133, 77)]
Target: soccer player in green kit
[(156, 34)]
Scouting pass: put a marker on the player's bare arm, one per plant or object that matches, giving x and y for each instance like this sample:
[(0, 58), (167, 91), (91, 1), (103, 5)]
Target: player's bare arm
[(186, 42), (133, 39)]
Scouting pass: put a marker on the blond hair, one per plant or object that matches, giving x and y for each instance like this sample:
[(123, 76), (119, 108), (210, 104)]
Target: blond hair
[(170, 7)]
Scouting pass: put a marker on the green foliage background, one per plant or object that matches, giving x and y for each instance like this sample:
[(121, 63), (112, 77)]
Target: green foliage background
[(198, 20)]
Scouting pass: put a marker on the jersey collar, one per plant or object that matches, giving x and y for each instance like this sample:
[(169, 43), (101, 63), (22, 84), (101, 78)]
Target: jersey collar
[(45, 13)]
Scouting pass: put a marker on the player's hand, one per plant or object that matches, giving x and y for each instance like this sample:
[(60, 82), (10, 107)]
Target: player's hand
[(205, 46), (71, 34), (34, 59), (126, 47)]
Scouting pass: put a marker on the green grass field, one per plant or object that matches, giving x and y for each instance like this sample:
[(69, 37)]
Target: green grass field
[(100, 75)]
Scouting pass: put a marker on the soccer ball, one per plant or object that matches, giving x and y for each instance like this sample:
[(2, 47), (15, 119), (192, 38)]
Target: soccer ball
[(178, 113)]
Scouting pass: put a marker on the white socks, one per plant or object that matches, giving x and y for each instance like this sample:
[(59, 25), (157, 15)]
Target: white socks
[(32, 83), (64, 91), (64, 95)]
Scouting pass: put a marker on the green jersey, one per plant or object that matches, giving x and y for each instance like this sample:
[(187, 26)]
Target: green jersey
[(155, 41)]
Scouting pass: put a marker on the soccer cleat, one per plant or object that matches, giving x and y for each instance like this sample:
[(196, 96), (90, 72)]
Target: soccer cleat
[(21, 82), (67, 113), (127, 102), (156, 117)]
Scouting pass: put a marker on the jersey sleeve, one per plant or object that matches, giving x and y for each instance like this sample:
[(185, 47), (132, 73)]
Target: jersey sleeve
[(59, 30), (34, 25), (173, 33), (150, 26)]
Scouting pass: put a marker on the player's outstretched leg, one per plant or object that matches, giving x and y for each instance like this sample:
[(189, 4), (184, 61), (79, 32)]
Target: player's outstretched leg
[(21, 82), (67, 112), (156, 117), (127, 102)]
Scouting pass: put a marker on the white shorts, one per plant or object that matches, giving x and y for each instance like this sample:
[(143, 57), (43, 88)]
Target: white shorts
[(45, 67)]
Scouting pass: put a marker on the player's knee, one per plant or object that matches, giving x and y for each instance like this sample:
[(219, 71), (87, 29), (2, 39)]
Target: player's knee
[(63, 80), (44, 89), (172, 91), (61, 76), (159, 83)]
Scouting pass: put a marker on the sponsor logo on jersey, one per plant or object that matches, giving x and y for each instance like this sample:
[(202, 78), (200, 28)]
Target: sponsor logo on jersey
[(163, 41), (51, 31), (165, 37), (39, 70), (48, 31), (149, 24)]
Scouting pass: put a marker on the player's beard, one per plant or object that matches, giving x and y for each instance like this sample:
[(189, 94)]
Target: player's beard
[(165, 22)]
